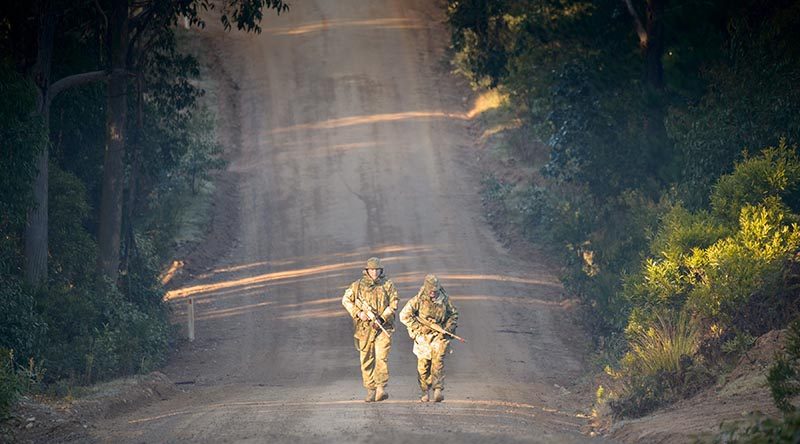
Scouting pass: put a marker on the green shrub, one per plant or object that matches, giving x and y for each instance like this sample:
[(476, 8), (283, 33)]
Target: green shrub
[(728, 272), (730, 278), (613, 238), (640, 395), (661, 347), (72, 249), (131, 341), (773, 176), (625, 198), (115, 337), (662, 365), (493, 189), (783, 382), (738, 344), (10, 384), (760, 429), (16, 379), (140, 281), (22, 327), (681, 231), (23, 137), (203, 155), (479, 54), (95, 332), (563, 217), (784, 375), (714, 268), (774, 304)]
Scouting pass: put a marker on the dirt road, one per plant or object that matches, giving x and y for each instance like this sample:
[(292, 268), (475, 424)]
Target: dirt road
[(349, 139)]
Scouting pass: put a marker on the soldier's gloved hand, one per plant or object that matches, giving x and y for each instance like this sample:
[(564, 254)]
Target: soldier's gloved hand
[(363, 316), (423, 330)]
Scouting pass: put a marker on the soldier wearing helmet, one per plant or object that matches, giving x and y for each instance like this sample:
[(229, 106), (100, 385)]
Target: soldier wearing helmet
[(372, 301), (430, 305)]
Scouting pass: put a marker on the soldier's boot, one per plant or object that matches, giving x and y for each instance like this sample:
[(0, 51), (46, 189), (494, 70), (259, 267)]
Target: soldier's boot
[(425, 397), (381, 394), (438, 396), (370, 395)]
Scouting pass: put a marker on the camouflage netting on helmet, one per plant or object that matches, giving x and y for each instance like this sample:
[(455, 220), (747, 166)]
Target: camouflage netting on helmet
[(431, 282)]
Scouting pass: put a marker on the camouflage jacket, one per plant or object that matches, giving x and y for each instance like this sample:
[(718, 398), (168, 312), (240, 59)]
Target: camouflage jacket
[(439, 310), (380, 295)]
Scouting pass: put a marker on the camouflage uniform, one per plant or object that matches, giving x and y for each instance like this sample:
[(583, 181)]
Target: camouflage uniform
[(429, 345), (372, 343)]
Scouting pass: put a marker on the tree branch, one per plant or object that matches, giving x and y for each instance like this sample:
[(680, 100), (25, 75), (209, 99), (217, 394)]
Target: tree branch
[(637, 23), (140, 19), (103, 13), (144, 49), (75, 80)]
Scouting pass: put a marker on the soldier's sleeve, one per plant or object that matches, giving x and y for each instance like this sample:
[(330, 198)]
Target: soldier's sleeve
[(349, 301), (452, 317), (388, 312), (408, 317)]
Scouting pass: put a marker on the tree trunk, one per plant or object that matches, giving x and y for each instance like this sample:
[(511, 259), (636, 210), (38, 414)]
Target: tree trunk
[(113, 171), (654, 74), (130, 249), (36, 227), (655, 43)]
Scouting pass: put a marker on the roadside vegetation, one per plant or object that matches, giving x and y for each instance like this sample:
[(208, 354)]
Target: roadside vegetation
[(651, 147), (106, 146)]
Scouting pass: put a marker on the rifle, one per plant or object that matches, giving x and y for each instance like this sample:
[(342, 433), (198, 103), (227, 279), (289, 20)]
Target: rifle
[(434, 326), (363, 306)]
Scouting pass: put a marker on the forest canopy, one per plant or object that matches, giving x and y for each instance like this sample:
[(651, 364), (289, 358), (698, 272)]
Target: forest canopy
[(105, 142)]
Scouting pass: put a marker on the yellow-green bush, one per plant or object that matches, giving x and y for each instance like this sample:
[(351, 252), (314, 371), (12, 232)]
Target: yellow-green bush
[(732, 269), (662, 346), (712, 269), (773, 176), (709, 269), (660, 366)]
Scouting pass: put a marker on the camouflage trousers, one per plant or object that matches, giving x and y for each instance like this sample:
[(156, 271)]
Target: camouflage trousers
[(430, 372), (374, 357)]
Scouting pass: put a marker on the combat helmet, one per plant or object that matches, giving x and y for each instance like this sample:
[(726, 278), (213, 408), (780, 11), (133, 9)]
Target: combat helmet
[(431, 282), (375, 263)]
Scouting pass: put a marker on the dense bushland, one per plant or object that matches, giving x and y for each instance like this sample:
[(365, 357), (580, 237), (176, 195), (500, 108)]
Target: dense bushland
[(670, 191), (78, 326), (720, 274)]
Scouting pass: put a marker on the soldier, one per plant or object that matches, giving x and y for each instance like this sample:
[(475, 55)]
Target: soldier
[(429, 309), (372, 302)]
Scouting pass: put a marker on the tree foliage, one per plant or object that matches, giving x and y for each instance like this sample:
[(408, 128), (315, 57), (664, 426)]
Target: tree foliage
[(576, 76), (80, 327), (656, 193), (751, 98), (23, 137), (784, 375)]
